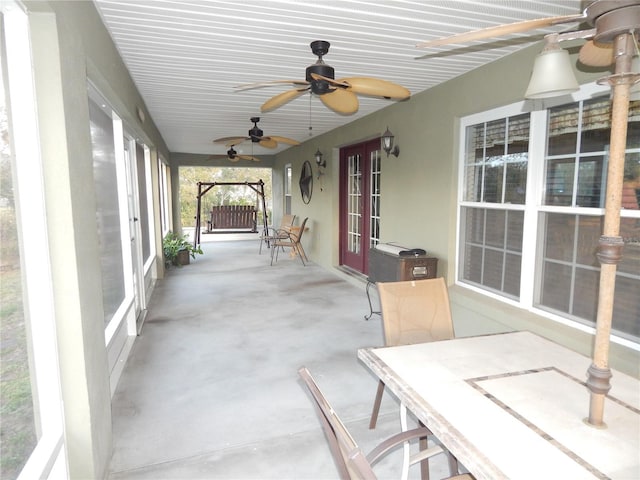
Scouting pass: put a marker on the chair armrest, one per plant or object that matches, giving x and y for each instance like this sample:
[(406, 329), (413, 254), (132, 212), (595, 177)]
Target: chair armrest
[(284, 234), (398, 439)]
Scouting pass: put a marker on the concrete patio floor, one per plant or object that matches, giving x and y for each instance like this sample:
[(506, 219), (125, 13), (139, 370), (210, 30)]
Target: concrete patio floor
[(211, 389)]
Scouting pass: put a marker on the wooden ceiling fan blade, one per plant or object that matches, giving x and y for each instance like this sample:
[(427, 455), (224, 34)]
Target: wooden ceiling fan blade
[(501, 30), (376, 87), (596, 54), (251, 86), (268, 142), (341, 101), (337, 83), (247, 157), (289, 141), (281, 99), (228, 141)]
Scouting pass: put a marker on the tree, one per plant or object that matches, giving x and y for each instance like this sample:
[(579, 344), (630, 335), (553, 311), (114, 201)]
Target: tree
[(221, 195)]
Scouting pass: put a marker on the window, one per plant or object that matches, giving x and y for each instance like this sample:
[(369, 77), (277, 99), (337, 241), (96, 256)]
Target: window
[(531, 209), (32, 443), (495, 181), (287, 189)]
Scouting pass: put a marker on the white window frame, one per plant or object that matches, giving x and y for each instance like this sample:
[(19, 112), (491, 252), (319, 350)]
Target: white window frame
[(48, 459), (163, 185), (534, 203)]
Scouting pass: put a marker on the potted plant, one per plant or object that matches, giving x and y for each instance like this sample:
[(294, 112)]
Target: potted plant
[(177, 249)]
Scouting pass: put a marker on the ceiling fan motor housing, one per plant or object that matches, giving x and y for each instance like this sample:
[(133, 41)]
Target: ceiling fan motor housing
[(255, 133), (613, 18), (320, 87)]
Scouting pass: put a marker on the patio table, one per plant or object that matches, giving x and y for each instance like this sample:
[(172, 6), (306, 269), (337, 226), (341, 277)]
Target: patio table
[(513, 406)]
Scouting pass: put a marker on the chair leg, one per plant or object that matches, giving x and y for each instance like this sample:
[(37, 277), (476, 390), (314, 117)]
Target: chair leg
[(453, 463), (424, 465), (302, 252), (376, 405)]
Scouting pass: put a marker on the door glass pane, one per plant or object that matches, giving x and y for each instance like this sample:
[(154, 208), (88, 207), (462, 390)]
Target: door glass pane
[(143, 202), (375, 198), (354, 212), (108, 211)]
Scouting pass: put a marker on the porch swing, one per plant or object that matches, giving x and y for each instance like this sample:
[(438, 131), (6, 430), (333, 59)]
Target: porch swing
[(231, 218)]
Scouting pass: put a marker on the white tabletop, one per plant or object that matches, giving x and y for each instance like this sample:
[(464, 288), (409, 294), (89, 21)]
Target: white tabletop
[(512, 406)]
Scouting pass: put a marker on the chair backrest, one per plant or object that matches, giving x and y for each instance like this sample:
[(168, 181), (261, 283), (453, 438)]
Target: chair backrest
[(415, 311), (349, 458), (300, 230), (287, 221)]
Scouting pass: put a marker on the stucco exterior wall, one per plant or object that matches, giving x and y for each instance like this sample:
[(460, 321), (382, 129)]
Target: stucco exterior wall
[(420, 189)]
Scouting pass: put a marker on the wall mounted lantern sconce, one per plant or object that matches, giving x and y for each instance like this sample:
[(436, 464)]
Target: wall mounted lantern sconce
[(321, 165), (387, 143), (318, 156)]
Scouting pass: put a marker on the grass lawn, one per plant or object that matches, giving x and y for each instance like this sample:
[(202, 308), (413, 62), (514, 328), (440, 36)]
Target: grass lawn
[(17, 426)]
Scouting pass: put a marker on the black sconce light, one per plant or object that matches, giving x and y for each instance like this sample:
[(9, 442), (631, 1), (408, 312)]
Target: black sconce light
[(318, 156), (321, 164), (387, 143)]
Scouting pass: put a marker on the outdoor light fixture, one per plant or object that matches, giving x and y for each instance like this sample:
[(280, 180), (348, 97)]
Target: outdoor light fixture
[(387, 143), (552, 74), (318, 156)]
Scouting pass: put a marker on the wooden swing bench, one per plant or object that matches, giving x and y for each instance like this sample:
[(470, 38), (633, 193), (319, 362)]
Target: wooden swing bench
[(233, 217)]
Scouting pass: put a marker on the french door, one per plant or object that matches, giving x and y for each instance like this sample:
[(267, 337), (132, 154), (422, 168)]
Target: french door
[(359, 203)]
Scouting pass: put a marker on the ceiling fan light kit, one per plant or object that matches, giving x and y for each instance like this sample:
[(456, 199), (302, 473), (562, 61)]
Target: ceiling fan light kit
[(552, 74)]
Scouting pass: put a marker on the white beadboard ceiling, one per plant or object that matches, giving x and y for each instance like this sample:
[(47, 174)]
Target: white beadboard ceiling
[(186, 56)]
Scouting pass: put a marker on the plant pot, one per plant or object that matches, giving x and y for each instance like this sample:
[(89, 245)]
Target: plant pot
[(183, 257)]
